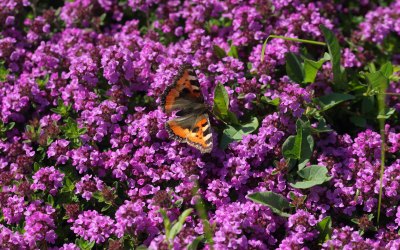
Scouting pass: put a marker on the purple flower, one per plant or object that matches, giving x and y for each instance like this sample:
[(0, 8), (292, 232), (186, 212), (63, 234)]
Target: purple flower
[(11, 240), (346, 238), (58, 149), (88, 185), (48, 179), (130, 218), (93, 226), (39, 226), (13, 209)]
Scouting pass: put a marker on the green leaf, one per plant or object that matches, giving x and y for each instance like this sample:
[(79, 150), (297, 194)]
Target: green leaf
[(359, 121), (3, 72), (324, 228), (71, 129), (232, 118), (83, 244), (177, 226), (294, 68), (195, 243), (233, 52), (4, 128), (219, 52), (273, 102), (276, 202), (328, 101), (291, 147), (42, 82), (387, 69), (61, 108), (311, 69), (50, 199), (312, 176), (322, 127), (98, 196), (334, 52), (166, 220), (105, 208), (301, 145), (221, 101), (378, 81), (387, 114), (178, 203), (236, 133), (36, 166)]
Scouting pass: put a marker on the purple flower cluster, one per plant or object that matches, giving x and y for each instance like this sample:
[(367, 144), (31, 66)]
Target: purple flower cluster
[(85, 156), (93, 226), (380, 22), (47, 178)]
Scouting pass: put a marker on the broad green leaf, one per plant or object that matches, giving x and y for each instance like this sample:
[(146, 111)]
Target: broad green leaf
[(359, 121), (221, 101), (313, 172), (276, 202), (294, 68), (219, 52), (307, 143), (301, 145), (324, 228), (177, 226), (141, 247), (236, 133), (334, 52), (312, 176), (291, 147), (387, 69), (311, 69), (328, 101), (232, 118), (378, 81), (233, 52), (195, 243)]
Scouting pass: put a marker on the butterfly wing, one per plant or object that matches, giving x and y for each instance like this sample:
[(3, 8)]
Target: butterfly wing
[(192, 124), (195, 130), (184, 94)]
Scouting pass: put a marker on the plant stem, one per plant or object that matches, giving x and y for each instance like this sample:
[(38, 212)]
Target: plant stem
[(382, 132), (288, 39)]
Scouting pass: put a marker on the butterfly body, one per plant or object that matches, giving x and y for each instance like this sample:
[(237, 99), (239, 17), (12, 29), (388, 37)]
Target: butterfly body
[(192, 124)]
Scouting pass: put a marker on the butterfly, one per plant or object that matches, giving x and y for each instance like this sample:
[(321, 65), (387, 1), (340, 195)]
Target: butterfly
[(192, 124)]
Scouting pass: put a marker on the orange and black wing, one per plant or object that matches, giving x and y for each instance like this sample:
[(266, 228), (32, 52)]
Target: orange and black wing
[(195, 130), (184, 93)]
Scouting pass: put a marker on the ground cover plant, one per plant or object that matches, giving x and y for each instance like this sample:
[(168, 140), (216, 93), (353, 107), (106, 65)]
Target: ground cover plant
[(304, 109)]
